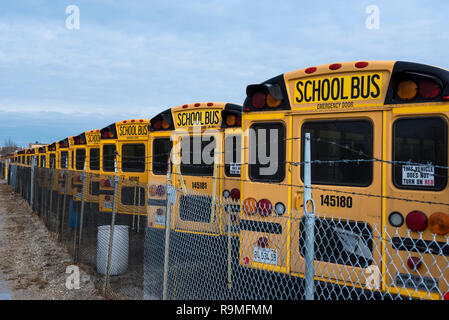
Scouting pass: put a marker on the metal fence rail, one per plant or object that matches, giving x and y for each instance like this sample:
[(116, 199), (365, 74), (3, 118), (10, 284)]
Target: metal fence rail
[(154, 241)]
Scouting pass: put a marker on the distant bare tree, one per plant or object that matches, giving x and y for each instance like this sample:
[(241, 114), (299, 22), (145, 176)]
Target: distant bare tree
[(9, 146)]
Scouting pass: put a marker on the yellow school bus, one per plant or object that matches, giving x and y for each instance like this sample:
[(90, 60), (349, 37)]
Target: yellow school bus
[(79, 165), (379, 157), (63, 165), (108, 168), (87, 158), (42, 157), (29, 157), (132, 147), (197, 136), (124, 144)]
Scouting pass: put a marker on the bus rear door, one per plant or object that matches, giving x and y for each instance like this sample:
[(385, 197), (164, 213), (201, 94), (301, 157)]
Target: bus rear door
[(198, 170), (348, 223)]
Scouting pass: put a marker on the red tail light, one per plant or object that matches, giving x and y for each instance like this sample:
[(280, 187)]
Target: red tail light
[(446, 296), (157, 124), (258, 100), (264, 207), (107, 183), (238, 121), (414, 263), (262, 242), (105, 134), (416, 221), (160, 190), (235, 194), (429, 89)]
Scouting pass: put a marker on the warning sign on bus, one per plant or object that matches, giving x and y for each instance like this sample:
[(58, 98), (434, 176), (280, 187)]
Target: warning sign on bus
[(422, 175)]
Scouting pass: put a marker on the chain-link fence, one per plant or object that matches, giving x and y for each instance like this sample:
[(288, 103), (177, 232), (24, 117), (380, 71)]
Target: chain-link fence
[(156, 241)]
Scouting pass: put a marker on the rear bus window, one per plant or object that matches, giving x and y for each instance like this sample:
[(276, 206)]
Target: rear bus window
[(423, 143), (267, 152), (161, 154), (340, 140), (42, 161), (80, 158), (133, 157), (64, 159), (52, 160), (94, 159), (108, 157), (197, 155)]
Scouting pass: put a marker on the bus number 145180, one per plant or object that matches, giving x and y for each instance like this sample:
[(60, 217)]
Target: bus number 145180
[(336, 201)]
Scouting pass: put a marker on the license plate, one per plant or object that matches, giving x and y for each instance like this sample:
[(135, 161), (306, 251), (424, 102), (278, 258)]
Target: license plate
[(265, 255), (107, 205), (417, 282), (160, 220)]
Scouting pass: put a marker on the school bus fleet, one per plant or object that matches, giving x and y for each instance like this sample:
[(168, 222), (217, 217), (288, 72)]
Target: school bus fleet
[(379, 133)]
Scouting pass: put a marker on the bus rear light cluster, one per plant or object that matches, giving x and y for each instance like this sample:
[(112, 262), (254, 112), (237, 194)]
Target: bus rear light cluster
[(159, 124), (105, 183), (157, 190), (263, 96), (107, 134), (424, 87), (263, 207), (233, 120), (414, 263), (262, 242), (438, 222), (234, 194)]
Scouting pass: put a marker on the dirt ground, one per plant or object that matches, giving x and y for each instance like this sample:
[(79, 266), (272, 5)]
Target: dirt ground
[(32, 264)]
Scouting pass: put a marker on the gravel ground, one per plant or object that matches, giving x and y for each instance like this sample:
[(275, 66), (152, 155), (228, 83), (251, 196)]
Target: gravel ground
[(32, 264)]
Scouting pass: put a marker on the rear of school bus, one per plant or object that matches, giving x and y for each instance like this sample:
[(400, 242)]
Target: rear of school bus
[(161, 128), (132, 148), (108, 171), (199, 220), (93, 168), (78, 169), (63, 165), (365, 136)]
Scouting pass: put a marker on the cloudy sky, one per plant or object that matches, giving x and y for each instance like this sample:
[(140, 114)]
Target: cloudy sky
[(136, 58)]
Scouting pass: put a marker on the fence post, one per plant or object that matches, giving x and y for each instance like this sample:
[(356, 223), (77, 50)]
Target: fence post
[(171, 199), (32, 183), (111, 234), (84, 177), (309, 223), (64, 202)]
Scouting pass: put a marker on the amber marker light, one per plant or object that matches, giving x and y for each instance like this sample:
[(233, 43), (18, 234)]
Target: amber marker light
[(439, 223), (407, 90)]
